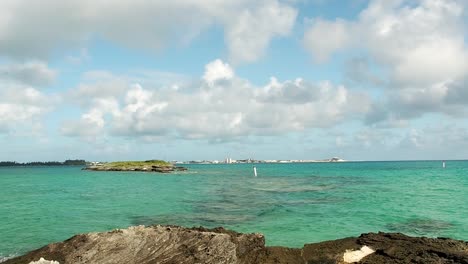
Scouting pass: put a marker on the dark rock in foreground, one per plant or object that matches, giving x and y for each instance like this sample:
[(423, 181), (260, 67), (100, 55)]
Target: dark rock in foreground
[(172, 244)]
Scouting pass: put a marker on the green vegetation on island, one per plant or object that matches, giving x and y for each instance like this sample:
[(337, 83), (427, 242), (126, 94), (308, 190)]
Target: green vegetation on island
[(148, 165)]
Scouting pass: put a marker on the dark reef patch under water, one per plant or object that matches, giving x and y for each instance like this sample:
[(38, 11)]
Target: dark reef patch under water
[(420, 227)]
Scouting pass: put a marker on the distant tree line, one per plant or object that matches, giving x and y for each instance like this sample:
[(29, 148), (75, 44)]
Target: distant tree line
[(44, 163)]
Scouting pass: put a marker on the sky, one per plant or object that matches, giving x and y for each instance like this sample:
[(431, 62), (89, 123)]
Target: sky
[(210, 79)]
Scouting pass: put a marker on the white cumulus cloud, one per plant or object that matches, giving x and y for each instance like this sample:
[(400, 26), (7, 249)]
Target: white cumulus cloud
[(23, 106), (217, 70), (323, 38), (249, 31), (22, 101), (36, 29), (418, 46), (217, 110)]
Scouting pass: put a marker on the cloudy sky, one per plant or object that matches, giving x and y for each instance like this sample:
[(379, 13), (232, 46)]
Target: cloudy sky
[(208, 79)]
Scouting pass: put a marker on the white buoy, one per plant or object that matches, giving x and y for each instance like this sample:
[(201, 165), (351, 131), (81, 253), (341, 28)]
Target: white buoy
[(443, 164), (255, 171)]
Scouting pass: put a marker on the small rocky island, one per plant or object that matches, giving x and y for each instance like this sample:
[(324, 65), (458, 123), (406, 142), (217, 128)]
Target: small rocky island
[(174, 244), (148, 166)]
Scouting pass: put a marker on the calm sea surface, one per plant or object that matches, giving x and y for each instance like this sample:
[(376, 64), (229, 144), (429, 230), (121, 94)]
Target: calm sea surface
[(291, 204)]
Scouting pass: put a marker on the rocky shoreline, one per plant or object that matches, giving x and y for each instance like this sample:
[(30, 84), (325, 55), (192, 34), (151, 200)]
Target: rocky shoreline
[(160, 169), (174, 244), (145, 166)]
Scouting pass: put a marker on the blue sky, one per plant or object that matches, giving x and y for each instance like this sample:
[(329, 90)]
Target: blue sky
[(268, 79)]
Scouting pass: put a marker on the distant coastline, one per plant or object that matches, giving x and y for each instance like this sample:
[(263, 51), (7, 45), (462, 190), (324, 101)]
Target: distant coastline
[(43, 163), (80, 162), (98, 164)]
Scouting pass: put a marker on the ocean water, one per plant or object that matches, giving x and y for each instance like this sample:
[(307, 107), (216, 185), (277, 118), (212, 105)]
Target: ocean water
[(292, 204)]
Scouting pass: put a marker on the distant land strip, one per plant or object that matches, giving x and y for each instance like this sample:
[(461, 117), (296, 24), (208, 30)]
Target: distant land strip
[(44, 163)]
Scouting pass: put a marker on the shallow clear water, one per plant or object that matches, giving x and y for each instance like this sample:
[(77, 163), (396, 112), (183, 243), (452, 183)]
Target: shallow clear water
[(291, 204)]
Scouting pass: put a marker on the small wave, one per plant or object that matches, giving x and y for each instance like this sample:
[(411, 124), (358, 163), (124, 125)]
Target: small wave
[(217, 219), (5, 258), (204, 219), (332, 200), (273, 210), (186, 172), (293, 189)]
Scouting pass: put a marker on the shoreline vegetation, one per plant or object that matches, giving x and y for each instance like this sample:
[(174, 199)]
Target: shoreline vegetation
[(148, 166), (77, 162), (175, 244)]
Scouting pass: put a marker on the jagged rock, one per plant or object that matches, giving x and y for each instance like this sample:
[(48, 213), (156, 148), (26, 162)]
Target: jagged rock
[(172, 244), (156, 244), (398, 248), (162, 169)]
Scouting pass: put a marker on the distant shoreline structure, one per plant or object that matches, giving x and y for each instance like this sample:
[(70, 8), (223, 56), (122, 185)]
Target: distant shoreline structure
[(244, 161)]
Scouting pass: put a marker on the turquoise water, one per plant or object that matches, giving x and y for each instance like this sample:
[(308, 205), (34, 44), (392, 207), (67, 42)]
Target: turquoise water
[(291, 204)]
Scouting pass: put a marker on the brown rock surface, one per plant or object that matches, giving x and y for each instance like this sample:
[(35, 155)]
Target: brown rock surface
[(172, 244), (398, 248)]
